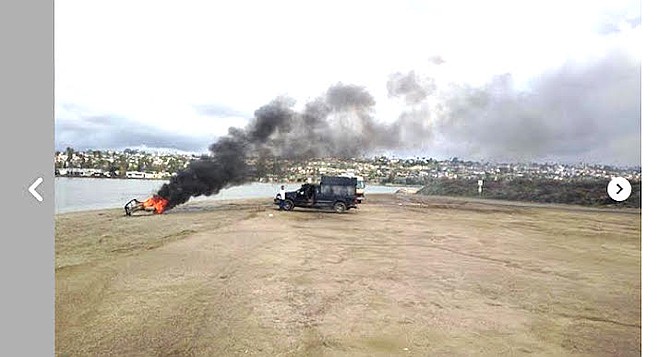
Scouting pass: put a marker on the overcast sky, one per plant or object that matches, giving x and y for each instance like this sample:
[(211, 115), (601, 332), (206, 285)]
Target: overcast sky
[(503, 80)]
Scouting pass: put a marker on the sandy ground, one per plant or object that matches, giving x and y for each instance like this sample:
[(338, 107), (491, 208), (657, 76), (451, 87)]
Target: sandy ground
[(402, 275)]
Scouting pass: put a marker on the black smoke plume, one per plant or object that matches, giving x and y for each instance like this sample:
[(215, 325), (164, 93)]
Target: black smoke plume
[(338, 124)]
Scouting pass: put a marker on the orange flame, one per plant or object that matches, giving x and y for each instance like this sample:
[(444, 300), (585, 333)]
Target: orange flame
[(159, 204)]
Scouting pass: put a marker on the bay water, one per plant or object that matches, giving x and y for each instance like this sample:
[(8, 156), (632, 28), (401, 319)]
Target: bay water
[(79, 194)]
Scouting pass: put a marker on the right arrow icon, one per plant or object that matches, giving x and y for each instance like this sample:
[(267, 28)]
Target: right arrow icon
[(619, 189), (33, 189)]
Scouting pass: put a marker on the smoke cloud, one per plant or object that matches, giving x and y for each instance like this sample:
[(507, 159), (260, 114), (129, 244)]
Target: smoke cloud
[(579, 112), (339, 124), (590, 112), (410, 86)]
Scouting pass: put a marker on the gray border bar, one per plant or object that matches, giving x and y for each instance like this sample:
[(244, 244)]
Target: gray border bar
[(27, 126)]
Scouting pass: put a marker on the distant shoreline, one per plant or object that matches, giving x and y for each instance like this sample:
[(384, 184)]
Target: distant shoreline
[(111, 178), (251, 182)]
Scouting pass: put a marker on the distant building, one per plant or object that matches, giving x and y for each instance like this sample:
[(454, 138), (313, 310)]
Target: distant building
[(147, 175), (77, 172), (135, 174)]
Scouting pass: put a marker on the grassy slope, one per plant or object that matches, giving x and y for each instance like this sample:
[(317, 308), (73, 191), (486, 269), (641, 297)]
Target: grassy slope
[(585, 192)]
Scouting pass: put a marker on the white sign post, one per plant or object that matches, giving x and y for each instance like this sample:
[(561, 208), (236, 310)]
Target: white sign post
[(480, 182)]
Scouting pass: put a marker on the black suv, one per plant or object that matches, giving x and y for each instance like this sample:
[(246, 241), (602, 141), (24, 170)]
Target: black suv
[(337, 193)]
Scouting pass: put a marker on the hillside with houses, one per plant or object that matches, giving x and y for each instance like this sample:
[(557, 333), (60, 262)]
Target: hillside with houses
[(136, 164)]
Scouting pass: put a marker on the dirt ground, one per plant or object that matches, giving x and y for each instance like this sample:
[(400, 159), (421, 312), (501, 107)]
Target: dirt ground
[(402, 275)]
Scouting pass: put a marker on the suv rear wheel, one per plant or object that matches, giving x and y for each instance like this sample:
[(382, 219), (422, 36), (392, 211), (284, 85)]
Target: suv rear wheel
[(340, 207)]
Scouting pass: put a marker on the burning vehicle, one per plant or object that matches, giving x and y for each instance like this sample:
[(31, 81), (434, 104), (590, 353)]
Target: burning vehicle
[(337, 193), (155, 204)]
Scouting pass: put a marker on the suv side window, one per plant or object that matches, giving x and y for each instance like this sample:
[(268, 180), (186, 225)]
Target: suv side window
[(327, 190), (337, 190)]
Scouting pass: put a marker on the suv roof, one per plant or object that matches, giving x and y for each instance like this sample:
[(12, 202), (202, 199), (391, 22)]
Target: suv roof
[(338, 180)]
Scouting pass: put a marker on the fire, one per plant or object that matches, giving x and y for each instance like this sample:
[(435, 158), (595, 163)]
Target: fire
[(159, 204)]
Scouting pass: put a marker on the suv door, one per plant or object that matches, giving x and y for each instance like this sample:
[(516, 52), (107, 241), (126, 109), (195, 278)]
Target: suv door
[(325, 196), (300, 198)]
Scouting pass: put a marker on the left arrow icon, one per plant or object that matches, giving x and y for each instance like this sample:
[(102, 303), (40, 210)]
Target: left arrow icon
[(33, 190)]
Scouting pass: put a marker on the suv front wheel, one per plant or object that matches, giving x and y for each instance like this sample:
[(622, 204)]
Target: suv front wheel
[(339, 207), (288, 205)]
